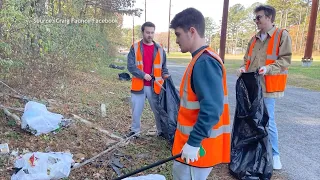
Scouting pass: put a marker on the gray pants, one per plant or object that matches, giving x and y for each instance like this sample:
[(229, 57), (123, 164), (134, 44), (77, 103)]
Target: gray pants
[(184, 172), (137, 104)]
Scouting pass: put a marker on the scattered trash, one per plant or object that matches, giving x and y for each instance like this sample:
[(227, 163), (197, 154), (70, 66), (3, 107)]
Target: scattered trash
[(152, 132), (4, 149), (44, 166), (124, 76), (38, 120), (79, 157), (111, 92), (65, 123), (147, 177), (15, 153), (115, 164), (116, 67), (103, 110)]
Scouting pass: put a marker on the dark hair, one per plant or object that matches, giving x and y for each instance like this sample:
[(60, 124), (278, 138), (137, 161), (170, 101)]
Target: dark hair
[(268, 11), (147, 24), (188, 18)]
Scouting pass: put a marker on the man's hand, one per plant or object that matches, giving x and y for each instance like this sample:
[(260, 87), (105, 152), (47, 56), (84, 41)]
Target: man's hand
[(263, 70), (147, 77), (240, 71), (190, 153), (165, 76)]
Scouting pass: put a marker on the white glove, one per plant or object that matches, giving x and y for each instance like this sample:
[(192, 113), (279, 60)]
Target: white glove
[(190, 153), (240, 71), (263, 70)]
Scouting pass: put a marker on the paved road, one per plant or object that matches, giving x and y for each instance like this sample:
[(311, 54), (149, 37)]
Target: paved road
[(298, 121)]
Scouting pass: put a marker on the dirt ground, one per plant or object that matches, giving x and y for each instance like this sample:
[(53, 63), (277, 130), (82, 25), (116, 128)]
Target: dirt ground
[(82, 93)]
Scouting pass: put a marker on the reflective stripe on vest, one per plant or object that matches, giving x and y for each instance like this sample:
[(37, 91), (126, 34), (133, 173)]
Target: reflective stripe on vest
[(137, 83), (157, 70), (274, 82), (217, 145), (213, 133)]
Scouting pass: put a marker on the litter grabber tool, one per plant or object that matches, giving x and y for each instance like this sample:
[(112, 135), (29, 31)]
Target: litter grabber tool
[(149, 166), (153, 78)]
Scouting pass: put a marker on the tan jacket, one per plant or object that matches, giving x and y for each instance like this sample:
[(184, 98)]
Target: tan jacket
[(259, 56)]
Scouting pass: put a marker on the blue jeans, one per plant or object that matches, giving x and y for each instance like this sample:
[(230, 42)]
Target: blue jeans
[(273, 132)]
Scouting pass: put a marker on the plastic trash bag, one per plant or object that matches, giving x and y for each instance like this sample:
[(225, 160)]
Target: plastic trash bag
[(251, 150), (147, 177), (43, 166), (169, 101), (116, 67), (38, 120), (124, 77)]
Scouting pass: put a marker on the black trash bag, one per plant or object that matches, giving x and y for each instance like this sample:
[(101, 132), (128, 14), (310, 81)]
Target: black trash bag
[(169, 102), (124, 76), (116, 67), (251, 150)]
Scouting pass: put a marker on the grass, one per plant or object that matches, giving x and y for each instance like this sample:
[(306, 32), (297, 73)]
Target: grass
[(299, 76), (187, 56)]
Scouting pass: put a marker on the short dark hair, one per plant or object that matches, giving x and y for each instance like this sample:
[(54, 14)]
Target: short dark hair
[(147, 24), (268, 11), (188, 18)]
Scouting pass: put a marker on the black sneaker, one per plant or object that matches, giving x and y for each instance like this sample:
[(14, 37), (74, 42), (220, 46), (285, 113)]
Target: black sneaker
[(131, 133), (161, 135)]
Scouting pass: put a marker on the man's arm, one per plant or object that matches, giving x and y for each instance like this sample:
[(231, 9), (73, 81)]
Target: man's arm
[(131, 65), (164, 65), (285, 55), (208, 86)]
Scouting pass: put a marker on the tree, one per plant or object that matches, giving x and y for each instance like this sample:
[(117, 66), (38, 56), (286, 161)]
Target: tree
[(237, 16), (162, 38), (29, 39), (210, 29), (287, 11)]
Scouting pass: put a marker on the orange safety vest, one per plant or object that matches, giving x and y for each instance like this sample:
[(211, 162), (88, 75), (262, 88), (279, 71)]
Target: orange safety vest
[(274, 82), (137, 84), (217, 145)]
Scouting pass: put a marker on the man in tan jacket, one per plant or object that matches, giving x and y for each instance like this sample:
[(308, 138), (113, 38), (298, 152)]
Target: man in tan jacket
[(269, 51)]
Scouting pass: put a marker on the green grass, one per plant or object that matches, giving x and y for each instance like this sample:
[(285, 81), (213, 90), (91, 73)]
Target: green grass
[(299, 76)]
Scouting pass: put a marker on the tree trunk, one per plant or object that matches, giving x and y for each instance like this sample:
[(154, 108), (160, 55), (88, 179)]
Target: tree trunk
[(298, 32), (83, 12), (285, 22), (280, 19), (46, 7), (41, 7), (103, 14), (59, 9), (95, 9), (236, 45), (317, 38), (304, 27), (52, 8)]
